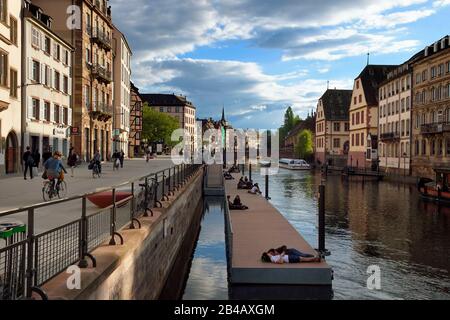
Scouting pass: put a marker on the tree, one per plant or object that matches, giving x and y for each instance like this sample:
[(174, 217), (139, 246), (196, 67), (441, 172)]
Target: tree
[(158, 126), (304, 146), (290, 121)]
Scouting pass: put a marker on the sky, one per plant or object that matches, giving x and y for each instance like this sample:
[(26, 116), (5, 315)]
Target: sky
[(256, 58)]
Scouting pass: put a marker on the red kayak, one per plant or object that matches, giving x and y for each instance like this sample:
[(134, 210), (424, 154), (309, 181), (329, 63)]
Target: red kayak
[(104, 199)]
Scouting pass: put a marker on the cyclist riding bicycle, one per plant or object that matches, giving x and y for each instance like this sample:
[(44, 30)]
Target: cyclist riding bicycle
[(55, 168), (97, 160)]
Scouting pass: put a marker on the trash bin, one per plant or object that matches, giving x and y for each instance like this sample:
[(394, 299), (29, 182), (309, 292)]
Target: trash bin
[(12, 232)]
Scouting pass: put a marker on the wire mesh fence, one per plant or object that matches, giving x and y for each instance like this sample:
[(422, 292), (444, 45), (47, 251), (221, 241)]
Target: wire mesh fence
[(28, 260), (55, 250)]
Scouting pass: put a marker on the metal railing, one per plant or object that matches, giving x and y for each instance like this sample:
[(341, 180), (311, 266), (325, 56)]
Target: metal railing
[(27, 262), (438, 127), (389, 136), (101, 73)]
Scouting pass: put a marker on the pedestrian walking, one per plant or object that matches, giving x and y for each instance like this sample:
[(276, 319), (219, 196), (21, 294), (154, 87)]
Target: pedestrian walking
[(37, 159), (116, 160), (72, 161), (148, 152), (28, 163), (121, 158)]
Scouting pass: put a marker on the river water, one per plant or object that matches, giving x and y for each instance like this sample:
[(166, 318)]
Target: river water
[(367, 223), (371, 223)]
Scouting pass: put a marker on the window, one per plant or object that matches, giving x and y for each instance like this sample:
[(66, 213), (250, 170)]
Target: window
[(57, 85), (337, 126), (36, 110), (360, 98), (408, 103), (357, 139), (357, 118), (336, 143), (56, 113), (403, 105), (65, 116), (47, 76), (66, 57), (417, 147), (57, 51), (433, 72), (362, 139), (353, 139), (357, 84), (3, 68), (35, 38), (47, 111), (66, 84), (13, 30), (354, 100), (47, 46), (13, 83), (36, 71), (362, 116), (88, 56), (3, 10)]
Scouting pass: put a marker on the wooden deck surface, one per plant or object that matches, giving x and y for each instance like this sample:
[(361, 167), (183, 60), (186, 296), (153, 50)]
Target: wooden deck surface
[(260, 228)]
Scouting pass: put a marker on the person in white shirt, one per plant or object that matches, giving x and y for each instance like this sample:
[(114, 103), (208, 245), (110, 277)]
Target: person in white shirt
[(255, 189), (280, 258)]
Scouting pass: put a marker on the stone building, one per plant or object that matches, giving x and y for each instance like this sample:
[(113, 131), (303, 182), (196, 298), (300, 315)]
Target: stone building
[(47, 84), (10, 80), (92, 71), (135, 123), (332, 127), (122, 91), (363, 116), (431, 110)]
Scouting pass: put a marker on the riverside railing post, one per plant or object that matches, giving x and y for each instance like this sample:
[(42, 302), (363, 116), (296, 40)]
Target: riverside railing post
[(267, 186), (30, 260), (112, 242), (83, 241), (146, 190), (132, 206), (163, 185), (250, 171), (321, 220), (155, 198)]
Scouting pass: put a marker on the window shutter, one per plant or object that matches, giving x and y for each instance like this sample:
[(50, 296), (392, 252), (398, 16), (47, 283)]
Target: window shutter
[(69, 113), (30, 108), (30, 68), (42, 74), (61, 114), (50, 77), (41, 110), (52, 110), (69, 86)]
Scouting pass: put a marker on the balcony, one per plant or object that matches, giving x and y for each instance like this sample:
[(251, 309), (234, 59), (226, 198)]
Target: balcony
[(99, 37), (434, 128), (101, 111), (390, 136), (101, 73)]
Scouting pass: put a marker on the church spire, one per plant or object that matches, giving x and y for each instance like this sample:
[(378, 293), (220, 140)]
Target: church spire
[(223, 114)]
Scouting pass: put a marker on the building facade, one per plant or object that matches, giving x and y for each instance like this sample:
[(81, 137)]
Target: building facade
[(176, 106), (122, 92), (92, 71), (10, 92), (363, 116), (46, 86), (394, 125), (332, 128), (431, 110), (135, 123)]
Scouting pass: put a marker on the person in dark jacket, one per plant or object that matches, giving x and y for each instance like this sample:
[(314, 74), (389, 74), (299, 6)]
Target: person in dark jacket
[(121, 158), (36, 158), (72, 161), (28, 163), (47, 154)]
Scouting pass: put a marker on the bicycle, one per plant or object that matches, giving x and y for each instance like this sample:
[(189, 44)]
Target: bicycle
[(96, 170), (54, 188), (147, 197)]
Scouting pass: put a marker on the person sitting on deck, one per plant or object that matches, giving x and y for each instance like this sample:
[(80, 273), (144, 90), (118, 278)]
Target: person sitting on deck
[(280, 258), (234, 169), (236, 204), (227, 176), (248, 183), (241, 183), (255, 189)]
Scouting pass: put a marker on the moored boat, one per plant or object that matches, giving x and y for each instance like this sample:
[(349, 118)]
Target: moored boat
[(294, 164), (436, 190)]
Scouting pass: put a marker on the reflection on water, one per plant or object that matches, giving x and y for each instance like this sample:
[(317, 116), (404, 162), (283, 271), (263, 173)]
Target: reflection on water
[(208, 273), (371, 223)]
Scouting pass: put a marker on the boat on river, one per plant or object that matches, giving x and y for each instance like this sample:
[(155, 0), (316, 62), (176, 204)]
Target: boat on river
[(294, 164), (437, 190)]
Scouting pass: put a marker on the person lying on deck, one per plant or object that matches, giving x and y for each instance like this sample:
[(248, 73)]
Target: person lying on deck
[(279, 258), (285, 250), (255, 189), (236, 204)]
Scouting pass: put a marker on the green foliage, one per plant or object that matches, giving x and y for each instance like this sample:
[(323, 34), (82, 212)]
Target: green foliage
[(290, 121), (158, 126), (304, 147)]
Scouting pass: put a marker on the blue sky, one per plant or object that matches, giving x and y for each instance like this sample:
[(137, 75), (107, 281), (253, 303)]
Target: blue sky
[(258, 57)]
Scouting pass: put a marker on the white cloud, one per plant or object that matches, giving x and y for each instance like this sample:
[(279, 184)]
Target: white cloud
[(441, 3)]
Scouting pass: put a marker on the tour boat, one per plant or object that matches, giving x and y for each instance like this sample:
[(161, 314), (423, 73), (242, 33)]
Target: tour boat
[(294, 164), (437, 190)]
